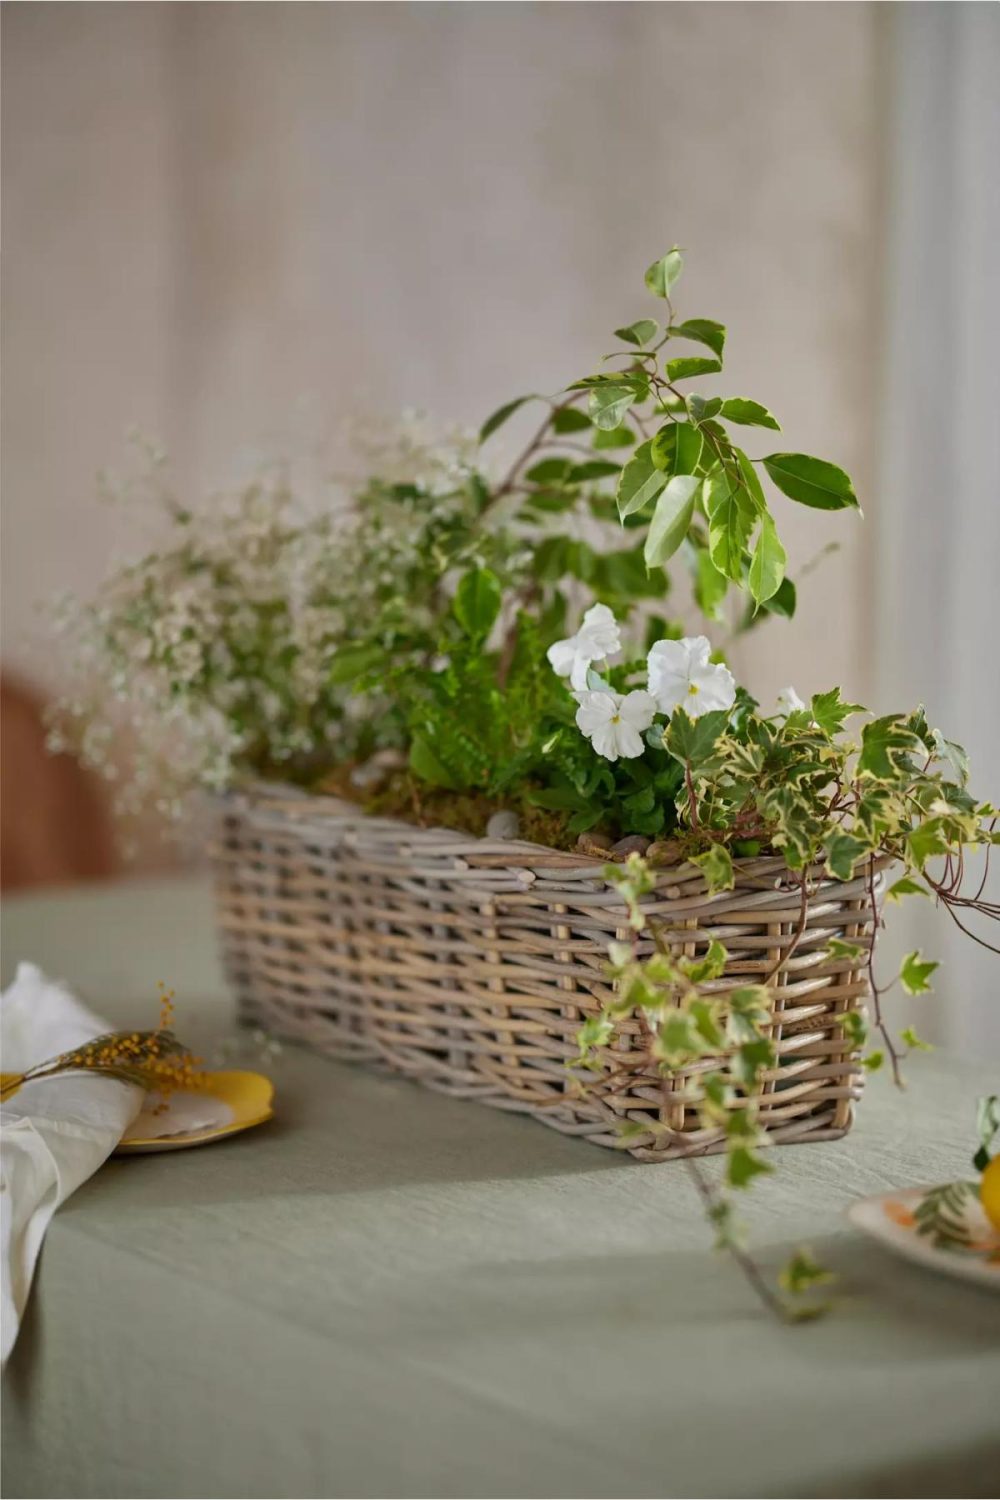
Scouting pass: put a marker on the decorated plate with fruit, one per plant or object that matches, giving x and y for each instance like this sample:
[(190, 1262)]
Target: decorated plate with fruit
[(954, 1227)]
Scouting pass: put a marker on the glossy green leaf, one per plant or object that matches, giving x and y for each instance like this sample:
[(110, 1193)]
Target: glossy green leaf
[(710, 586), (614, 437), (425, 763), (662, 275), (638, 333), (477, 602), (641, 481), (671, 519), (767, 564), (686, 368), (783, 601), (593, 469), (811, 481), (730, 522), (704, 331), (676, 448), (500, 416), (608, 405), (570, 419), (702, 408), (748, 413), (549, 471)]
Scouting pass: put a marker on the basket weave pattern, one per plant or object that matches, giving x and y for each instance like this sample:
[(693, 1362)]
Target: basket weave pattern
[(469, 964)]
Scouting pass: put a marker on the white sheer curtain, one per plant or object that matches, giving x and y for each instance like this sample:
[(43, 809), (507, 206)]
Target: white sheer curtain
[(937, 586)]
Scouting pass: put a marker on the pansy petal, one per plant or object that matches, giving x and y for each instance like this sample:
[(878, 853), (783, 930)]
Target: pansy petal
[(630, 741), (716, 690), (561, 656), (638, 709), (699, 649), (605, 740)]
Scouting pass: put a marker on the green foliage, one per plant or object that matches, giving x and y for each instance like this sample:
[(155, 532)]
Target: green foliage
[(941, 1215)]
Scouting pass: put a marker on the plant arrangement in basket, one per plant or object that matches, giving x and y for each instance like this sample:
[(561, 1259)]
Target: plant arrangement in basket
[(497, 652)]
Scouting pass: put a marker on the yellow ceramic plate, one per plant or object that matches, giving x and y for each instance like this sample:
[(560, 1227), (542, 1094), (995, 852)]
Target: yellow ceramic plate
[(245, 1097)]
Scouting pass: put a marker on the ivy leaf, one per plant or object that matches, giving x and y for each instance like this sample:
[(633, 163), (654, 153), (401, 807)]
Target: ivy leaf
[(608, 405), (662, 275), (717, 868), (748, 413), (596, 1031), (691, 741), (886, 745), (811, 481), (953, 755), (839, 948), (829, 710), (570, 419), (688, 366), (710, 967), (703, 331), (749, 1061), (767, 565), (425, 763), (905, 887), (671, 519), (802, 1272), (925, 841), (915, 1043), (743, 1165), (640, 482), (730, 522), (638, 333), (914, 973), (842, 853), (477, 602)]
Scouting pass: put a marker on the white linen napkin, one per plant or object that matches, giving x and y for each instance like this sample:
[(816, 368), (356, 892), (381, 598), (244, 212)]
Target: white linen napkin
[(54, 1134)]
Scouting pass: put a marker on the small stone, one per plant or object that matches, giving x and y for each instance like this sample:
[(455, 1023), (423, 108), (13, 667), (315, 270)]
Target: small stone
[(664, 852), (596, 844), (634, 843), (503, 825)]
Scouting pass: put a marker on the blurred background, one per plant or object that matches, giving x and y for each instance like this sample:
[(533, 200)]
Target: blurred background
[(233, 225)]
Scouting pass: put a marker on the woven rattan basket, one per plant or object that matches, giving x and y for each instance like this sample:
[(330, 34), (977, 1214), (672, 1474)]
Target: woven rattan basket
[(468, 964)]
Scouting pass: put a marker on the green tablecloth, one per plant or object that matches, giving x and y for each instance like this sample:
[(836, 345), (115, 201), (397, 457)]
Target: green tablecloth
[(389, 1293)]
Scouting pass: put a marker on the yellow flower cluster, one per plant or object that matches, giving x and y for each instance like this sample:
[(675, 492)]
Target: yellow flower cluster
[(153, 1060)]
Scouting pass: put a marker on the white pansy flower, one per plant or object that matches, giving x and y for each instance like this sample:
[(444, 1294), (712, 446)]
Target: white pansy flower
[(614, 723), (789, 702), (681, 676), (597, 638)]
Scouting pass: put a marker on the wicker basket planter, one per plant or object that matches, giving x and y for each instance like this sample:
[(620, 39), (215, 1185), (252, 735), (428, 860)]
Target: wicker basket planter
[(468, 964)]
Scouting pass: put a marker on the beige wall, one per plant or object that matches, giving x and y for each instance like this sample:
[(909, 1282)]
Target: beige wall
[(230, 224)]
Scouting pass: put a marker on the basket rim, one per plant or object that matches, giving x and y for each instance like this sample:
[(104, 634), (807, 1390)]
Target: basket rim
[(294, 804)]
